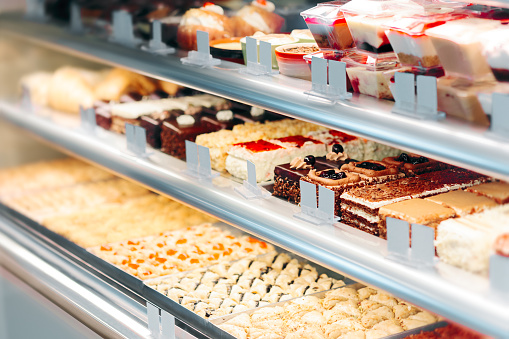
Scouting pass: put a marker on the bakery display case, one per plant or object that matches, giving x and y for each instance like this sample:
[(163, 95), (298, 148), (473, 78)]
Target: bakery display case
[(141, 241)]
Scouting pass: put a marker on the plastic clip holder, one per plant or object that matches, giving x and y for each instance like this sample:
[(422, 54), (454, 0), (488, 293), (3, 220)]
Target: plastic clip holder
[(249, 188), (26, 101), (422, 252), (202, 56), (499, 274), (35, 10), (324, 213), (123, 29), (76, 23), (156, 45), (264, 65), (338, 81), (335, 71), (422, 106), (88, 121), (161, 324), (136, 140), (499, 117), (198, 161)]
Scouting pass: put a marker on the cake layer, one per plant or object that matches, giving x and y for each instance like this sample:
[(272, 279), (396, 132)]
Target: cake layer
[(498, 191), (462, 202)]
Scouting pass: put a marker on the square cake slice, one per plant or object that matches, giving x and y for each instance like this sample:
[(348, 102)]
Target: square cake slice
[(455, 178), (418, 211), (374, 172), (360, 206), (462, 202), (498, 191), (412, 164)]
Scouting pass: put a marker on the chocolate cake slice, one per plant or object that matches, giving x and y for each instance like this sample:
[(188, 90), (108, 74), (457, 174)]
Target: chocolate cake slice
[(455, 178), (360, 206)]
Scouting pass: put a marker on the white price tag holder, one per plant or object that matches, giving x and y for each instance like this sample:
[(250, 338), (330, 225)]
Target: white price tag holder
[(263, 66), (123, 32), (422, 252), (499, 274), (499, 117), (161, 324), (88, 121), (324, 213), (136, 139), (250, 189), (76, 23), (156, 45), (35, 10), (26, 101), (202, 56), (422, 106), (198, 161), (335, 88)]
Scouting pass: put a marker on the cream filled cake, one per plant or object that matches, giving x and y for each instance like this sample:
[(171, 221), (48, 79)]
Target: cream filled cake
[(468, 242), (341, 313), (244, 284), (266, 155)]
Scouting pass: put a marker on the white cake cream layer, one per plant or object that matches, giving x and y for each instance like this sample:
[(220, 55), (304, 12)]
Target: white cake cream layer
[(363, 214), (373, 83), (265, 162), (366, 29), (468, 242), (496, 47), (134, 110), (202, 100), (419, 46)]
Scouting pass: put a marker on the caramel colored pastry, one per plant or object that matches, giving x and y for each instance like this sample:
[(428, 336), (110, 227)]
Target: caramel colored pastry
[(498, 191), (180, 250), (120, 81), (462, 202), (209, 18), (38, 85), (415, 211), (71, 87), (341, 313), (258, 16), (75, 198), (135, 218), (373, 172), (169, 87), (30, 178), (244, 284), (412, 163)]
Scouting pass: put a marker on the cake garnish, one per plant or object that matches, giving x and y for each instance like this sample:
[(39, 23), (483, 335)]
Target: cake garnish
[(501, 245), (371, 166), (298, 163), (185, 120), (211, 7), (264, 4), (225, 115), (257, 111), (310, 160), (332, 174), (404, 157), (337, 154)]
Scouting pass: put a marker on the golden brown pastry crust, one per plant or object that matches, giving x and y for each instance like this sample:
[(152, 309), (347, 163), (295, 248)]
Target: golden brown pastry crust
[(121, 81)]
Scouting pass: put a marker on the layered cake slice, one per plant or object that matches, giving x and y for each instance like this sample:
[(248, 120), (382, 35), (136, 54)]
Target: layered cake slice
[(463, 203), (373, 172), (412, 164), (176, 130), (352, 145), (360, 206), (455, 178), (498, 191), (266, 155), (468, 242), (287, 177), (418, 211)]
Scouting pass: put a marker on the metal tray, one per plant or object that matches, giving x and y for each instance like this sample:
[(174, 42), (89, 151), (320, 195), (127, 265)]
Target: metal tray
[(225, 335)]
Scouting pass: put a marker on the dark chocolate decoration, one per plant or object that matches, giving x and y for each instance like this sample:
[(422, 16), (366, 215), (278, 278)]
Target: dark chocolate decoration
[(371, 166), (332, 174), (310, 160), (411, 160), (337, 148)]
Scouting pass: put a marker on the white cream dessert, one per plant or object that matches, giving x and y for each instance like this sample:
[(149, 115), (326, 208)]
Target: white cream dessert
[(496, 51), (467, 242), (459, 47), (244, 284), (340, 313), (266, 155)]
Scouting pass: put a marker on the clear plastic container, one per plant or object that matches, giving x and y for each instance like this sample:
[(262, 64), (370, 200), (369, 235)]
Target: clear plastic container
[(328, 26), (328, 55), (290, 59), (496, 51), (371, 75), (458, 46), (409, 41), (366, 20)]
